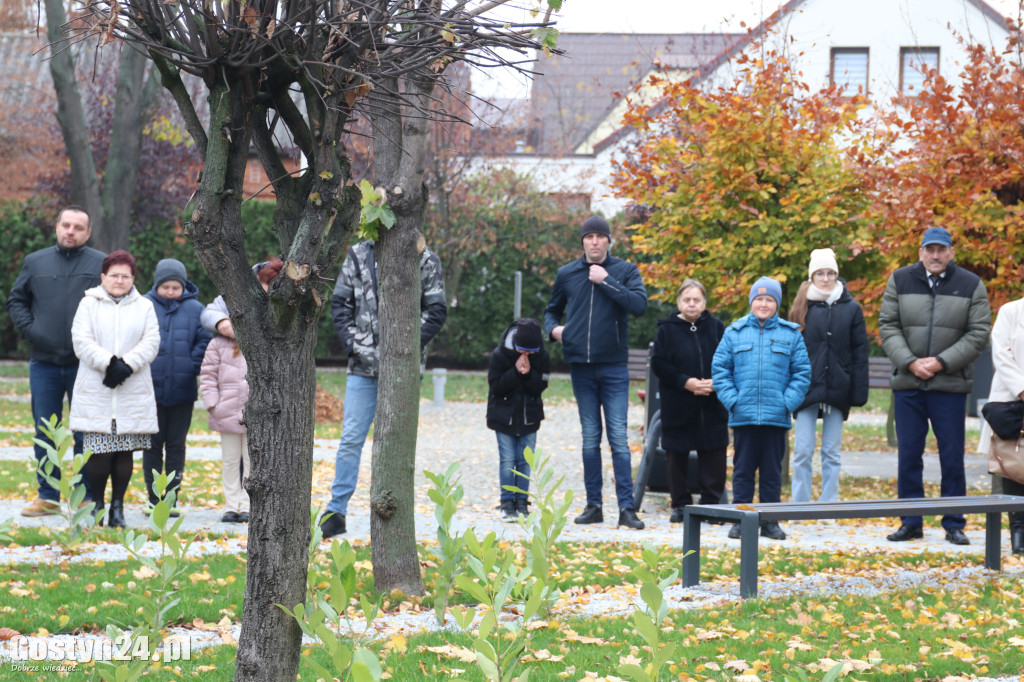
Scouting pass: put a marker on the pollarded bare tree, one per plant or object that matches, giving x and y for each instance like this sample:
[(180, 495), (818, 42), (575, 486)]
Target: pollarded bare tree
[(294, 71)]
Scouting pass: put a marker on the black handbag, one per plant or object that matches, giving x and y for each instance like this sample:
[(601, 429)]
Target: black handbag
[(1006, 419)]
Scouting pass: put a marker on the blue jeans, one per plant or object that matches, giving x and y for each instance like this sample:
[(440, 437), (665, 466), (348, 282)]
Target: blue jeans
[(511, 460), (49, 383), (803, 453), (360, 406), (947, 413), (604, 386), (757, 450)]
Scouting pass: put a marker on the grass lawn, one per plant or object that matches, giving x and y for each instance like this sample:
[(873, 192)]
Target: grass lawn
[(931, 632)]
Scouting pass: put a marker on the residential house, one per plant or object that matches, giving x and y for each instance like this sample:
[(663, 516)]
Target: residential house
[(878, 48)]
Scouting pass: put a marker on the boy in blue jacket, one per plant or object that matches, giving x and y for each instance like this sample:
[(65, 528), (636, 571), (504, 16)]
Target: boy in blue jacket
[(761, 372)]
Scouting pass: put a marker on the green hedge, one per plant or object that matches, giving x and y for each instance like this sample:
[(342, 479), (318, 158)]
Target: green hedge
[(475, 320)]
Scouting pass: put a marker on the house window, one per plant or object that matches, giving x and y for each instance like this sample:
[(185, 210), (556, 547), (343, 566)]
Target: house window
[(915, 63), (849, 70)]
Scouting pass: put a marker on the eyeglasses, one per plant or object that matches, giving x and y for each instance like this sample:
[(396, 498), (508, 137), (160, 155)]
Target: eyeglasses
[(825, 274), (119, 277)]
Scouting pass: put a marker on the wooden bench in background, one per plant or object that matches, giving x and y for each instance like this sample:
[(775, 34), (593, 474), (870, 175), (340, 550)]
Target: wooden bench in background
[(638, 364), (879, 371), (750, 516)]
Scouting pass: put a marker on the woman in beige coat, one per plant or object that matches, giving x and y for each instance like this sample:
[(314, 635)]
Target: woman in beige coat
[(1008, 385), (116, 336)]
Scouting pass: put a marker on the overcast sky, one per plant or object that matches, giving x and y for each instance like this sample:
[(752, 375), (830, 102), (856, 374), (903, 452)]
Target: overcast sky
[(653, 16)]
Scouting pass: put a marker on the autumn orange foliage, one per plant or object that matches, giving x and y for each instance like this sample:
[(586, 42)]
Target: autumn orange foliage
[(743, 181), (954, 156)]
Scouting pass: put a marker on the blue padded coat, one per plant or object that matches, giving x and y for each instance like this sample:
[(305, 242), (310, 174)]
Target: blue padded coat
[(761, 373), (182, 346)]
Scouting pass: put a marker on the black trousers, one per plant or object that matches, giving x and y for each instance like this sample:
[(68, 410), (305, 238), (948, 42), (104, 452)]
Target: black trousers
[(174, 422), (711, 465), (1011, 487)]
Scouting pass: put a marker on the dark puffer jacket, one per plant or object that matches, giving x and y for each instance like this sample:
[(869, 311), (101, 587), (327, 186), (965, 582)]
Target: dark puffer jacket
[(837, 343), (514, 405), (182, 345), (683, 350), (951, 324)]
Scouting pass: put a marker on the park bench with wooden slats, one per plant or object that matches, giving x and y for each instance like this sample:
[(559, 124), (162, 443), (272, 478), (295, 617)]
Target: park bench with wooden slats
[(879, 371), (637, 364), (750, 516)]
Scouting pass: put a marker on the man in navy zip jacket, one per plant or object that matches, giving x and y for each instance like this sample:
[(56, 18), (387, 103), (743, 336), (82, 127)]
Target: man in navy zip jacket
[(42, 304), (597, 294)]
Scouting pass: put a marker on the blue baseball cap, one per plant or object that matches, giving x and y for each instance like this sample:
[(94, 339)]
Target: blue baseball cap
[(936, 235)]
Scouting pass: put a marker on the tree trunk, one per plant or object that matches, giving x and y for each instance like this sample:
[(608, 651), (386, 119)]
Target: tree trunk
[(399, 150), (110, 208), (280, 419), (278, 415), (276, 331), (392, 485), (71, 116), (132, 107)]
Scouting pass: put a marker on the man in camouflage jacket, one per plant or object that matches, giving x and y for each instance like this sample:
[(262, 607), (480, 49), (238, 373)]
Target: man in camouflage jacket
[(354, 313), (934, 323)]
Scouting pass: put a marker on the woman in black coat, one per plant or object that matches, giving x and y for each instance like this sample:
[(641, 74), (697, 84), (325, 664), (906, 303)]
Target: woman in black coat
[(837, 343), (692, 418), (518, 375)]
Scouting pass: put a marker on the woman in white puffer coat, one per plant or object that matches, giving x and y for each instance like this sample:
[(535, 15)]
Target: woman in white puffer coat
[(116, 336)]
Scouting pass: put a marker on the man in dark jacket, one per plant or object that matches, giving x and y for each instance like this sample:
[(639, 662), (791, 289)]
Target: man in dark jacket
[(597, 294), (356, 321), (42, 303), (934, 322)]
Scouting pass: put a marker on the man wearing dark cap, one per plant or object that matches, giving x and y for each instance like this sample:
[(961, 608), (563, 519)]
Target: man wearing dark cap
[(597, 294), (934, 322)]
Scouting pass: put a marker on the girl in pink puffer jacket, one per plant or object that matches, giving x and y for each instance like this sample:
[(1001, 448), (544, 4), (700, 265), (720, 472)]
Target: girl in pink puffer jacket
[(224, 391)]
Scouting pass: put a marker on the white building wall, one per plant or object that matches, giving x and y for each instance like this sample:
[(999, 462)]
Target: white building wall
[(882, 26), (584, 174)]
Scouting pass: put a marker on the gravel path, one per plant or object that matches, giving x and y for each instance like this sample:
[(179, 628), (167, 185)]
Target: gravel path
[(455, 432)]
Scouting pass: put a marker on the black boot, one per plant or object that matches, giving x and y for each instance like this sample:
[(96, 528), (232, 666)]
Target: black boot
[(98, 514), (1017, 532), (115, 518)]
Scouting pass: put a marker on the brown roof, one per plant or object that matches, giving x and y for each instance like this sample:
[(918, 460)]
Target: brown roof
[(573, 92)]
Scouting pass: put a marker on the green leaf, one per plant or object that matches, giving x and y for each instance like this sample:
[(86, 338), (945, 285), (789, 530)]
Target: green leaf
[(368, 660), (487, 658), (633, 672), (646, 627)]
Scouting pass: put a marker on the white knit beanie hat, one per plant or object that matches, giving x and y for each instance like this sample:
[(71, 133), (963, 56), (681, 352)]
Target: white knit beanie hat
[(822, 259)]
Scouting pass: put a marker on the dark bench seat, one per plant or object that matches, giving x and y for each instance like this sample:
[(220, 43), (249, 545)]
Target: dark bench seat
[(750, 516)]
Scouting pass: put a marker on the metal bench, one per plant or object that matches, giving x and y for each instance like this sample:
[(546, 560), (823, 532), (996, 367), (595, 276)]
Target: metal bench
[(750, 516)]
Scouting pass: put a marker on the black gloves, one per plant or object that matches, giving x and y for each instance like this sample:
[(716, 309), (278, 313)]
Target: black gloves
[(117, 371)]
